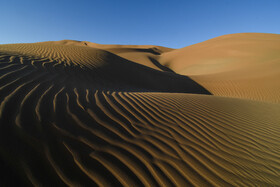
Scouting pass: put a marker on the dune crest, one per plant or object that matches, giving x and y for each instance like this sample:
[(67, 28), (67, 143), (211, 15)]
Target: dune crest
[(237, 65), (83, 114)]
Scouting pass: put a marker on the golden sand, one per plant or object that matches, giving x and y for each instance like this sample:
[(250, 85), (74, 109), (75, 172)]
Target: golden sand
[(84, 114)]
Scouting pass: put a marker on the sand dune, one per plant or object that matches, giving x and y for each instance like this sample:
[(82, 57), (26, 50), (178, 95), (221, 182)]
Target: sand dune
[(237, 65), (147, 55), (83, 114)]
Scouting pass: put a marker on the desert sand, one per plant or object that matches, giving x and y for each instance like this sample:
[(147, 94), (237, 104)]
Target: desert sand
[(77, 113)]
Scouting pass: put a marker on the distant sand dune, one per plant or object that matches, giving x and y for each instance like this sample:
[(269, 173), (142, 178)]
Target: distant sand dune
[(105, 70), (82, 114), (238, 65)]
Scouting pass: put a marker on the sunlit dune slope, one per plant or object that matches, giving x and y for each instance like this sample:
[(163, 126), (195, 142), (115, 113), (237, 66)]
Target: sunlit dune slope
[(83, 114), (237, 65)]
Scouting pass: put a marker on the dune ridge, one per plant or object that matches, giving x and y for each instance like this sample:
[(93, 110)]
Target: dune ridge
[(73, 114), (237, 65)]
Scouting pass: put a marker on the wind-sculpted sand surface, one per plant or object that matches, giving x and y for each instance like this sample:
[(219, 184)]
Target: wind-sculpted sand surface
[(83, 114)]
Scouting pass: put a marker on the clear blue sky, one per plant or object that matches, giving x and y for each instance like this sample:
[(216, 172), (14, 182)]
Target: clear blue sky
[(168, 23)]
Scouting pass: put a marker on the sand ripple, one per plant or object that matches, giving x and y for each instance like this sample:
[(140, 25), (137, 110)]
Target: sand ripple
[(74, 122)]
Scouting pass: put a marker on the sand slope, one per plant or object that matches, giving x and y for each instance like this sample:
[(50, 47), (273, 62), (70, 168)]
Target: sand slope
[(146, 55), (238, 65), (84, 115)]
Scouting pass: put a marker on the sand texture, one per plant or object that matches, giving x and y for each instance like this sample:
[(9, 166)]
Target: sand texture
[(238, 65), (83, 114)]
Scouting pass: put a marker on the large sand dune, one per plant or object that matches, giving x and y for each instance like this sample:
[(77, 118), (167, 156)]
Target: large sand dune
[(237, 65), (84, 114)]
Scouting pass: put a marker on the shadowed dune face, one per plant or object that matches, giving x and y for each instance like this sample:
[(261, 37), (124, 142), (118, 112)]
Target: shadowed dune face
[(134, 139), (95, 68), (142, 54), (83, 114)]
